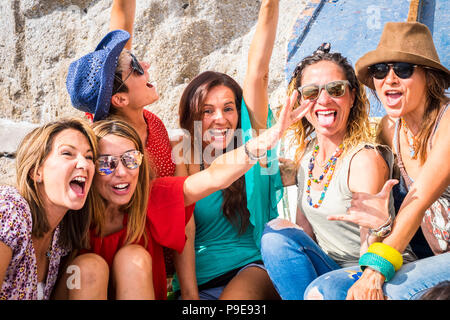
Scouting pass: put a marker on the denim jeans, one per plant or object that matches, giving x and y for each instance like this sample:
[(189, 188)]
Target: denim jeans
[(409, 283), (293, 260)]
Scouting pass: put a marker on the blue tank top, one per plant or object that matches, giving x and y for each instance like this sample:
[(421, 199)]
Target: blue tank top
[(219, 247)]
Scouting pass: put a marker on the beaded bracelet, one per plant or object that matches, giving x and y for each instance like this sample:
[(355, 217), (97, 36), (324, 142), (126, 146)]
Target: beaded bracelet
[(377, 263), (388, 253), (251, 156), (384, 230)]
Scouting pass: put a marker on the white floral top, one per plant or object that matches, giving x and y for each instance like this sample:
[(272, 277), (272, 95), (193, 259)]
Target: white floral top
[(20, 282)]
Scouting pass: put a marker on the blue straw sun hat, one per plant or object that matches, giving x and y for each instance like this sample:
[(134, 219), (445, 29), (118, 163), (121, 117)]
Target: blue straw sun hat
[(90, 79)]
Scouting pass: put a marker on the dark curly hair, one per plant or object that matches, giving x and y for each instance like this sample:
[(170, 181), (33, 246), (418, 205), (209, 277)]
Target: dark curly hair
[(358, 126)]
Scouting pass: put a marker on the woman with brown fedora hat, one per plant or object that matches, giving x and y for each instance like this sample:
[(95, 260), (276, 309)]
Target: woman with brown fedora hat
[(406, 74)]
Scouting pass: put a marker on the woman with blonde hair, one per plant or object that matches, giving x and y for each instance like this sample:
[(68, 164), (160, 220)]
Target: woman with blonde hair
[(335, 150), (409, 80), (49, 212)]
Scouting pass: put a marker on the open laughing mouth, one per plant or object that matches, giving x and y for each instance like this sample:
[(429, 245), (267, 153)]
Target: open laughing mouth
[(326, 117), (121, 188), (219, 134), (78, 185), (150, 84), (393, 97)]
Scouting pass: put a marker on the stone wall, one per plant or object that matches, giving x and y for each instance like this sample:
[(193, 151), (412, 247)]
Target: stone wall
[(179, 38)]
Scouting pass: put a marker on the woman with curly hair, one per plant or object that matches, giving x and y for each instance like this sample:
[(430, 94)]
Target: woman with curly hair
[(335, 149), (405, 73)]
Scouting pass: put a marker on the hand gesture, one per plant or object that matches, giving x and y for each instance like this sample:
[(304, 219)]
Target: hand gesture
[(368, 210), (288, 115)]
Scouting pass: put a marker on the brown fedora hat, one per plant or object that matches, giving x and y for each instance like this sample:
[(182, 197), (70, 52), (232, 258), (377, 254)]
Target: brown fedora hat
[(401, 42)]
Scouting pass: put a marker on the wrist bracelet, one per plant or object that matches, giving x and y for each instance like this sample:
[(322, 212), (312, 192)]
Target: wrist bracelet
[(388, 253), (251, 156), (384, 230), (377, 263)]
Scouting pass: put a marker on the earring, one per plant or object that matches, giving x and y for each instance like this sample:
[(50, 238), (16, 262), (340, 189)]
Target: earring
[(38, 180)]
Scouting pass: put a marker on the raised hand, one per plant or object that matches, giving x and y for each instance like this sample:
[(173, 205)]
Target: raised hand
[(368, 210), (288, 115)]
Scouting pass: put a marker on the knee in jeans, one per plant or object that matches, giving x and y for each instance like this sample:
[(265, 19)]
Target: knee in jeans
[(133, 257), (313, 294), (273, 240), (279, 224)]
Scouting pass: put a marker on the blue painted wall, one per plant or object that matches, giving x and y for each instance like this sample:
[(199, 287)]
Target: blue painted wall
[(354, 27)]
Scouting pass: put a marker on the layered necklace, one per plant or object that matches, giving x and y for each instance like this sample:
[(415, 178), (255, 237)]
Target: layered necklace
[(412, 142), (327, 172)]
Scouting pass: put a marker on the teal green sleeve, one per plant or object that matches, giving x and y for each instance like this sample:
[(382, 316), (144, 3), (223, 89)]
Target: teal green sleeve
[(263, 186)]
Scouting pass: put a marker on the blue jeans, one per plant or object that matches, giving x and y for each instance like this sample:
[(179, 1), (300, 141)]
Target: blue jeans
[(409, 283), (293, 260)]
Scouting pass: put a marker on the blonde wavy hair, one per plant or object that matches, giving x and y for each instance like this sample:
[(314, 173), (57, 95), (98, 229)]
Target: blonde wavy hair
[(358, 125), (137, 206)]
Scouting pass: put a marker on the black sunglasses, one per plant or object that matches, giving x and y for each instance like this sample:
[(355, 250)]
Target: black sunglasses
[(403, 70), (135, 67), (106, 165)]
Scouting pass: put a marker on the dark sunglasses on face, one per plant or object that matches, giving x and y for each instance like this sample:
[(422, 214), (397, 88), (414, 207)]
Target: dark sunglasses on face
[(403, 70), (135, 67), (334, 89), (131, 159)]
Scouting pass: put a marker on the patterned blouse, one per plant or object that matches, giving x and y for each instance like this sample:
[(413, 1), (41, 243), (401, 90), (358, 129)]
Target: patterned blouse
[(20, 282)]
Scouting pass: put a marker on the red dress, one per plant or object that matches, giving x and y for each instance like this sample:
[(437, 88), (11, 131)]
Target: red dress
[(165, 226), (158, 146)]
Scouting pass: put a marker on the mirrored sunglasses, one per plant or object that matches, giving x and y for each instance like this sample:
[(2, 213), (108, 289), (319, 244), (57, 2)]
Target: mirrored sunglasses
[(403, 70), (334, 89), (106, 165)]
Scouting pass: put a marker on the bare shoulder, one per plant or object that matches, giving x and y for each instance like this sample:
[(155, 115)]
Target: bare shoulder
[(368, 171), (443, 129), (386, 130)]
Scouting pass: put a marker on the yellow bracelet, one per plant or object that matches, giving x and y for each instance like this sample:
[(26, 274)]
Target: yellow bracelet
[(388, 253)]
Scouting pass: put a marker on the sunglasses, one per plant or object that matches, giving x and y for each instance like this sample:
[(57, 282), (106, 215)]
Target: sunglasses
[(106, 165), (334, 89), (403, 70), (135, 67)]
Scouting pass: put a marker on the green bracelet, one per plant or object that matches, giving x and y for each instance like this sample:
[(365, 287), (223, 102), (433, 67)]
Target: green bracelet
[(377, 263)]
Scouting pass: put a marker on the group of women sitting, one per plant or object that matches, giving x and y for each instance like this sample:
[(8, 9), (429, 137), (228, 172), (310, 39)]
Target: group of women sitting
[(113, 199)]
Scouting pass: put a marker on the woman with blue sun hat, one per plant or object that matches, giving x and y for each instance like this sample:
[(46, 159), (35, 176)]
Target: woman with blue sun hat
[(110, 82)]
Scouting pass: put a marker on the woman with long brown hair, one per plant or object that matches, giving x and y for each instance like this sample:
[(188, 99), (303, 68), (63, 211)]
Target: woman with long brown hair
[(218, 116)]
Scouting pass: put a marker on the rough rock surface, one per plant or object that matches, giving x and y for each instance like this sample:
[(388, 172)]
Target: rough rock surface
[(179, 38)]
